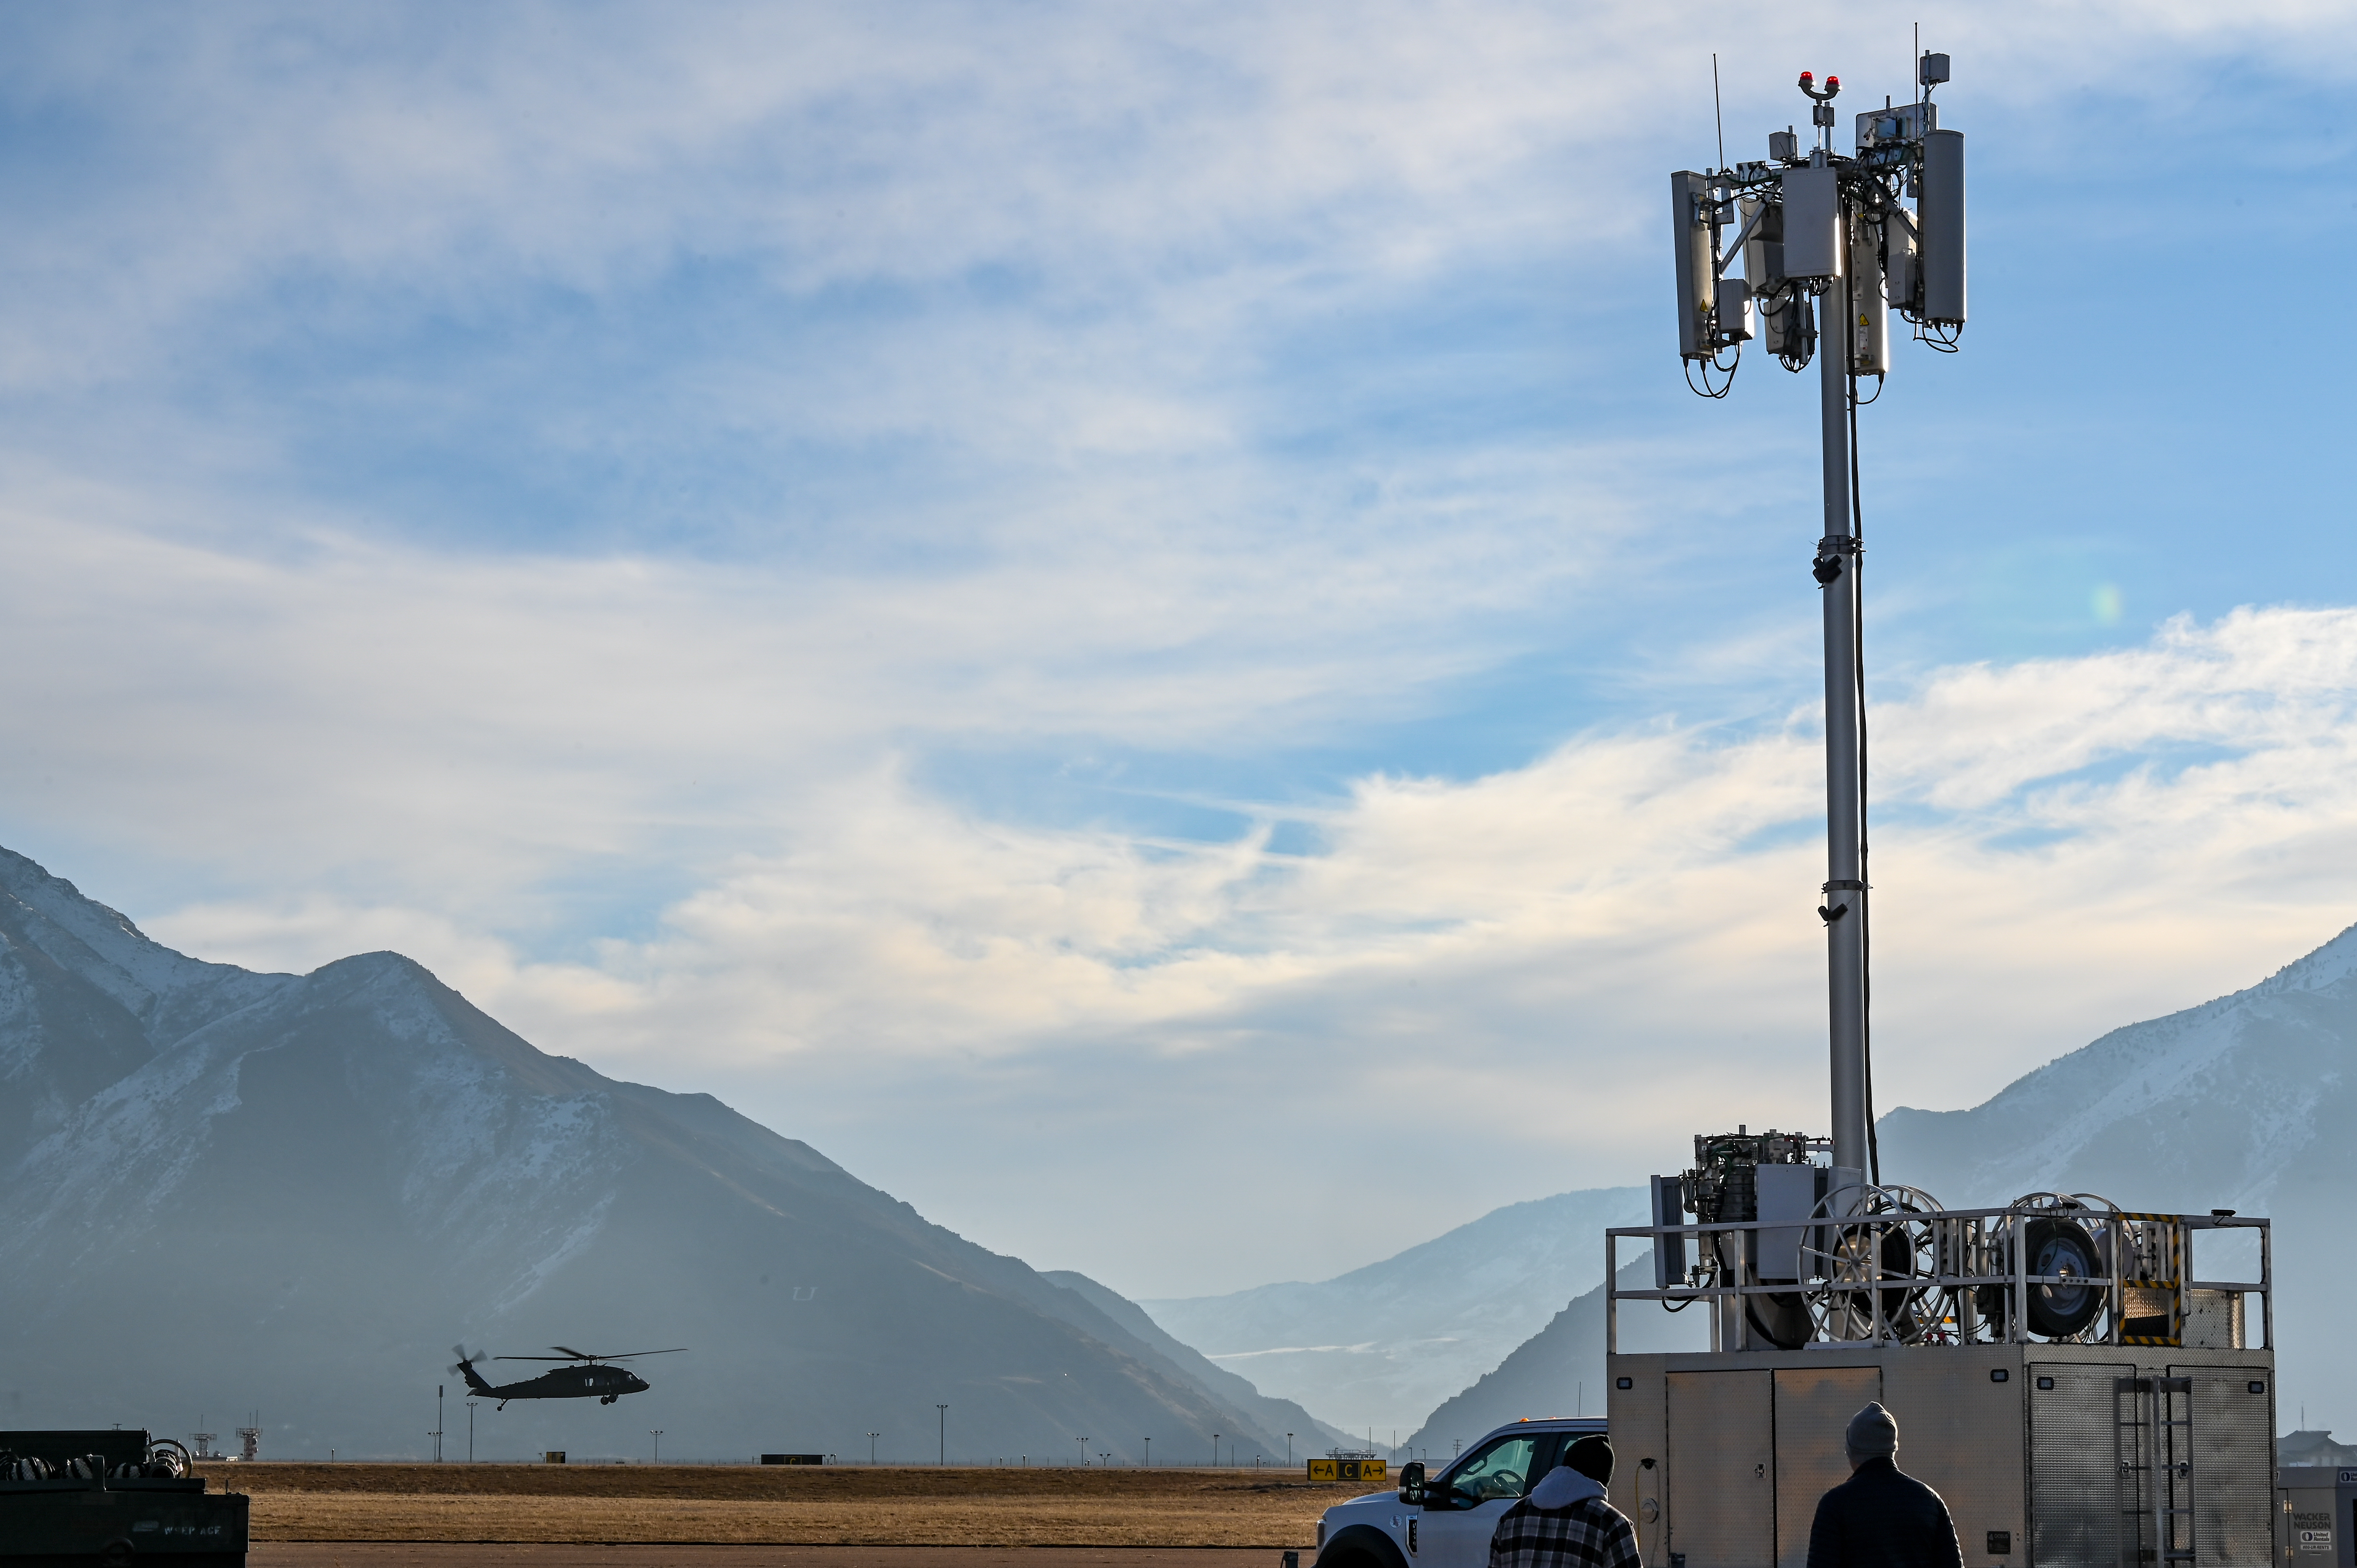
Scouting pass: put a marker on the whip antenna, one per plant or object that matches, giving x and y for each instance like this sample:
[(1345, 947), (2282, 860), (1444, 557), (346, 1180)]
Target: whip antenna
[(1718, 116)]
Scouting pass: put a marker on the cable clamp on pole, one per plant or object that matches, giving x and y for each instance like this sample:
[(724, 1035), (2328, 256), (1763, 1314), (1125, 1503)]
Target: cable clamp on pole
[(1830, 911), (1827, 566)]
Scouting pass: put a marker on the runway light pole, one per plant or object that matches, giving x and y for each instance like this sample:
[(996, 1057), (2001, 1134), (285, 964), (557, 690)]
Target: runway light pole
[(1288, 1451), (657, 1435), (946, 1432), (871, 1446), (1084, 1451), (470, 1431), (1149, 1454)]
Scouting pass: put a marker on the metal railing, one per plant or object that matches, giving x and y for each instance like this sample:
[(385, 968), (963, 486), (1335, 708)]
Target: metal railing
[(1880, 1266)]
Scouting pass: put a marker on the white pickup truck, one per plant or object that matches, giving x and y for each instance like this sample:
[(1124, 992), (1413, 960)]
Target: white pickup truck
[(1459, 1509)]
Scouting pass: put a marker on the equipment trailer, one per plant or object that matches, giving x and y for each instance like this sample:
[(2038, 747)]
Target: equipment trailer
[(70, 1500)]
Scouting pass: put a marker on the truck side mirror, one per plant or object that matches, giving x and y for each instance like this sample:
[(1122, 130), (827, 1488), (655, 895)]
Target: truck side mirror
[(1410, 1489)]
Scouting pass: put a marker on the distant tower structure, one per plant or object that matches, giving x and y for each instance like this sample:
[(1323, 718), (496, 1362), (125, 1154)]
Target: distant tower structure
[(250, 1438), (205, 1441)]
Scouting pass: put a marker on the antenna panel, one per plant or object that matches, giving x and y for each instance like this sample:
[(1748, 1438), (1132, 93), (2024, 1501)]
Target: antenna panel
[(1698, 259), (1812, 225), (1942, 209)]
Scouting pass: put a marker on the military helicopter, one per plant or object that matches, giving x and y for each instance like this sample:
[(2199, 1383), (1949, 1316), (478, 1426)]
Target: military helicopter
[(590, 1374)]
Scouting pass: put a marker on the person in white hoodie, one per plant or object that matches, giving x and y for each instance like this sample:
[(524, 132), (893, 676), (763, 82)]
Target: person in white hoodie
[(1564, 1522)]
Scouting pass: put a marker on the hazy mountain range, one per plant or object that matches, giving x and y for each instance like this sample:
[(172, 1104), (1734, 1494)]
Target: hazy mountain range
[(1380, 1346), (2244, 1103), (2239, 1103), (229, 1192)]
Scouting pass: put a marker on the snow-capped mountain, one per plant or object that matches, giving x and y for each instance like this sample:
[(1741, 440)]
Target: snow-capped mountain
[(1381, 1345), (230, 1191), (1559, 1370), (2239, 1103), (2242, 1103)]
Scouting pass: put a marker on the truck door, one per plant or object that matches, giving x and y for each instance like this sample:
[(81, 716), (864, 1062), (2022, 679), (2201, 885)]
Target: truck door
[(1462, 1508)]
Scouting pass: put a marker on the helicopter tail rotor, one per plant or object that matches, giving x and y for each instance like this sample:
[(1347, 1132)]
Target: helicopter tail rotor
[(464, 1367)]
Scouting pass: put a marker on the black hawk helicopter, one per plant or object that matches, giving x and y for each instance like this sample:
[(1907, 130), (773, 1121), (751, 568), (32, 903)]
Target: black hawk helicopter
[(590, 1374)]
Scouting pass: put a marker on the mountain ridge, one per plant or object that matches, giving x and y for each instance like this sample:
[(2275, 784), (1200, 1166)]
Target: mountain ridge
[(1381, 1343), (295, 1191), (2230, 1104)]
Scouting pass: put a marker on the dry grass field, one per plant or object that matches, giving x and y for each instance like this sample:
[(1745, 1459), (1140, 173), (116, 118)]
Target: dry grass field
[(833, 1506)]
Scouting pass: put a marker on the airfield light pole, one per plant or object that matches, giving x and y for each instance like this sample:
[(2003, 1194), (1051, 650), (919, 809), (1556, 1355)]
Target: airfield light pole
[(1288, 1451), (1215, 1451), (657, 1435), (470, 1431), (1084, 1451), (1828, 246), (1149, 1454), (437, 1424), (871, 1446), (944, 1458)]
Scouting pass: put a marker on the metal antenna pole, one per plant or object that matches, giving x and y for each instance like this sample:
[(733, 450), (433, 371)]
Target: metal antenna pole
[(1844, 909)]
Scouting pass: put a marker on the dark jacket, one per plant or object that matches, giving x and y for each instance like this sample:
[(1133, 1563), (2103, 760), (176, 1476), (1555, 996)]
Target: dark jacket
[(1883, 1518)]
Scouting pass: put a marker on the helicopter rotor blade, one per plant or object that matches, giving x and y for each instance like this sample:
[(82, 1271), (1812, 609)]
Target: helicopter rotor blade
[(589, 1355)]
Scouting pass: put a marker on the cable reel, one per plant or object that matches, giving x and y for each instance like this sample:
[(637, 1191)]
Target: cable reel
[(2066, 1235), (1871, 1253)]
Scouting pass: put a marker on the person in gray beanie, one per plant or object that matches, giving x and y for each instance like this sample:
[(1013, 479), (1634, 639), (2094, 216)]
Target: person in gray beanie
[(1881, 1517)]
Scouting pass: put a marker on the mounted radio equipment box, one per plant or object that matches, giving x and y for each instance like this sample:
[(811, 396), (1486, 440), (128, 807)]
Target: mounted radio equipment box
[(112, 1498)]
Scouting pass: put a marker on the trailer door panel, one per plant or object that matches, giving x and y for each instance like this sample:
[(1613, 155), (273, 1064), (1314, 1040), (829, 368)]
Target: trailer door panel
[(1721, 1484), (1813, 1405)]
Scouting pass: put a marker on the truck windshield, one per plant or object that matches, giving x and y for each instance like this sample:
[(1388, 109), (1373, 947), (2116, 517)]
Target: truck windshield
[(1502, 1469)]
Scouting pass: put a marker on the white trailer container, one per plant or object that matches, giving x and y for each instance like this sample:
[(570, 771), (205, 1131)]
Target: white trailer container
[(2145, 1435)]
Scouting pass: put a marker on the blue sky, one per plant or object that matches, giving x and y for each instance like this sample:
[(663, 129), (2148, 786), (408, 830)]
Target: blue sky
[(1106, 614)]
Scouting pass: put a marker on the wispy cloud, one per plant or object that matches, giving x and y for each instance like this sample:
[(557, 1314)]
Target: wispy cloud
[(1627, 921), (583, 495)]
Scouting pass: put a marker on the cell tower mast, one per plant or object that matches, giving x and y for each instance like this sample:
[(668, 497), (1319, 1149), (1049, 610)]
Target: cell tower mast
[(2069, 1374), (1827, 246)]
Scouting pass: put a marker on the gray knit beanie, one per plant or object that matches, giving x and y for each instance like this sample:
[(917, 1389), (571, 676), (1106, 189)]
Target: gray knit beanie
[(1872, 1433)]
